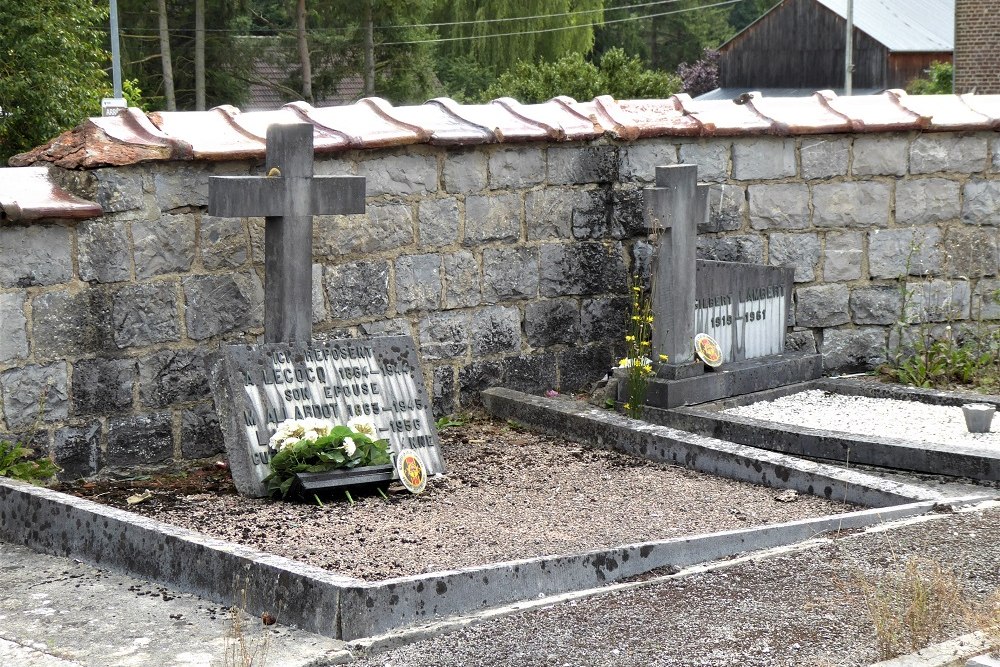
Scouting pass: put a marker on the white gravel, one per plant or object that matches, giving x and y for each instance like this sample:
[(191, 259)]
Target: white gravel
[(882, 417)]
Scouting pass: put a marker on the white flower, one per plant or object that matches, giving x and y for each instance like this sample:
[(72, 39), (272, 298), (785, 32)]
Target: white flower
[(363, 427), (349, 447), (291, 431)]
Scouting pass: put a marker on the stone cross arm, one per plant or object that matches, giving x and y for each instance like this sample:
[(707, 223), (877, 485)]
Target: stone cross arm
[(253, 196)]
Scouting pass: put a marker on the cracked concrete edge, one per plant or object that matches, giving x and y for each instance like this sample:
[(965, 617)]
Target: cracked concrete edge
[(584, 423), (952, 653)]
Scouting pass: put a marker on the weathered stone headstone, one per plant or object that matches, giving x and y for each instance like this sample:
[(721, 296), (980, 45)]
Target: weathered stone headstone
[(377, 381), (744, 307), (290, 376)]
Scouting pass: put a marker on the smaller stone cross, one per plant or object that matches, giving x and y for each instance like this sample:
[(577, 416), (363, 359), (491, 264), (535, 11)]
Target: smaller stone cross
[(674, 207), (288, 197)]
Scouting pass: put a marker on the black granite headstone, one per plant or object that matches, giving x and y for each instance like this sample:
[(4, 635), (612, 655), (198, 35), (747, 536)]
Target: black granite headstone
[(377, 380)]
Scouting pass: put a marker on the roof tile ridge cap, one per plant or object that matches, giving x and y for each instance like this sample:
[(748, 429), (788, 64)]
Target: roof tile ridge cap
[(567, 102), (921, 122), (229, 112), (302, 110), (993, 122), (141, 124), (451, 107), (685, 104), (824, 97), (776, 126), (145, 123), (383, 108), (513, 107), (619, 123)]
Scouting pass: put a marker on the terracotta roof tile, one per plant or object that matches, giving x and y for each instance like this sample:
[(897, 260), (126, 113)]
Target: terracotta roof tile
[(29, 193), (224, 133)]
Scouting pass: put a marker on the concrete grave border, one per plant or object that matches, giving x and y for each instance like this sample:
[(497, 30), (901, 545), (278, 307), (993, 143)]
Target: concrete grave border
[(706, 419), (346, 608)]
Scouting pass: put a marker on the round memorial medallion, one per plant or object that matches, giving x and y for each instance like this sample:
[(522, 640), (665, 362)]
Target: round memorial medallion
[(411, 470), (708, 350)]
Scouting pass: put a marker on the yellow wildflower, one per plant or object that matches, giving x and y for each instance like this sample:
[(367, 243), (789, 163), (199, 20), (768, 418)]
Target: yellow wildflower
[(664, 357), (629, 339), (627, 406), (643, 343), (636, 289)]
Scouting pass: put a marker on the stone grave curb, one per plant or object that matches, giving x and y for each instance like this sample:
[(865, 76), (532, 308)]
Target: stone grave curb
[(340, 607), (952, 653), (587, 424), (707, 420)]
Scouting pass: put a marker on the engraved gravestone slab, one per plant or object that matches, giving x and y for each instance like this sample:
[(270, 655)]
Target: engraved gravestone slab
[(377, 380), (744, 307)]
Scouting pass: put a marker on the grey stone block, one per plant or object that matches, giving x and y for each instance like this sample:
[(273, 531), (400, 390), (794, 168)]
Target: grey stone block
[(824, 157), (32, 392), (103, 251), (163, 246), (516, 167), (495, 330), (592, 218), (223, 243), (145, 313), (845, 349), (626, 213), (822, 306), (443, 392), (940, 151), (418, 282), (174, 376), (201, 435), (529, 373), (581, 268), (510, 273), (726, 206), (461, 280), (878, 304), (357, 289), (843, 253), (763, 158), (444, 335), (77, 449), (256, 228), (800, 341), (894, 253), (980, 202), (35, 255), (492, 218), (640, 159), (851, 204), (103, 386), (582, 164), (550, 213), (735, 248), (580, 368), (399, 326), (221, 304), (551, 322), (383, 227), (140, 440), (13, 327), (602, 319), (938, 301), (465, 172), (880, 155), (438, 221), (711, 157), (986, 300), (179, 186), (66, 323), (923, 201), (797, 250), (970, 252), (319, 311), (783, 206), (120, 188), (401, 174)]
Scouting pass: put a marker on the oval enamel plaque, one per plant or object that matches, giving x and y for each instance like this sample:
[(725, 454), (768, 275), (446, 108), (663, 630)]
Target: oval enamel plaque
[(411, 470), (708, 350)]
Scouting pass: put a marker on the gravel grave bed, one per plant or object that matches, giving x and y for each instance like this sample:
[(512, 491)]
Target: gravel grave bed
[(508, 494), (862, 415)]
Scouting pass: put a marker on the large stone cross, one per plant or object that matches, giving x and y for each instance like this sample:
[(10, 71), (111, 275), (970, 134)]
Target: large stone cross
[(288, 197), (674, 207)]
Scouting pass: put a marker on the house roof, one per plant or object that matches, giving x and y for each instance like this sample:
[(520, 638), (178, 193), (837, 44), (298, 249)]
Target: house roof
[(903, 25)]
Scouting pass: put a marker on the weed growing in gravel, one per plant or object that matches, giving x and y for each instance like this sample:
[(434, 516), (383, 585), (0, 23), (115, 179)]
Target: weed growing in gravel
[(16, 459), (638, 361), (242, 648), (912, 607)]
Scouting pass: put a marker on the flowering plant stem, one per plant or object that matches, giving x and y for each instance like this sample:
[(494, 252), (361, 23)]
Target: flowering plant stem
[(638, 354)]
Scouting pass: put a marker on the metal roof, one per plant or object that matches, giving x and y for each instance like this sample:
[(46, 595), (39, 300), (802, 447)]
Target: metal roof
[(903, 25)]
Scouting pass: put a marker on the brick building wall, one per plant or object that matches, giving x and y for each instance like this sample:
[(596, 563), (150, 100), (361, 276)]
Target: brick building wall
[(977, 47)]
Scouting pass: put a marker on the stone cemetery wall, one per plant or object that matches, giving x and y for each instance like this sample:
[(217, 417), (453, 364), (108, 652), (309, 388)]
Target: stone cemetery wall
[(507, 264)]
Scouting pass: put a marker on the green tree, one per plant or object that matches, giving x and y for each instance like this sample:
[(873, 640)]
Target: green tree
[(744, 13), (937, 82), (51, 69), (619, 75)]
